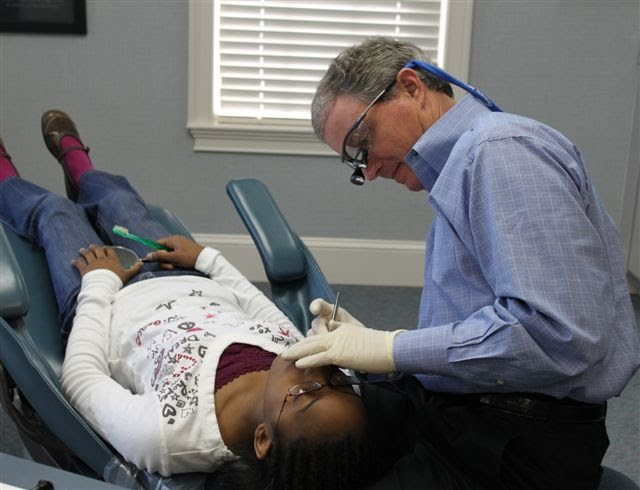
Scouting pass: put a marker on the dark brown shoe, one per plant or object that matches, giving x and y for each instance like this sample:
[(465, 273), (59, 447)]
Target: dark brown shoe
[(3, 153), (56, 124)]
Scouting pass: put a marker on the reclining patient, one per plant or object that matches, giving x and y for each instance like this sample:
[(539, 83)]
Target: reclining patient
[(175, 360)]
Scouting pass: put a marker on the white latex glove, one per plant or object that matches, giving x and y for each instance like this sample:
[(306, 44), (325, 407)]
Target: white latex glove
[(348, 345), (323, 310)]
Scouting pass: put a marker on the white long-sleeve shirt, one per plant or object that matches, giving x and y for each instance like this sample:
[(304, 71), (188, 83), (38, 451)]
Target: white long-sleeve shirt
[(141, 361)]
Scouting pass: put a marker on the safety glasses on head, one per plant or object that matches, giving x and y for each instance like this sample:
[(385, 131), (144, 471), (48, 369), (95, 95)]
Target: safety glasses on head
[(355, 146)]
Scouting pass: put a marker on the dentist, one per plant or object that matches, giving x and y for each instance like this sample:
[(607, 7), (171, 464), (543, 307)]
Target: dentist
[(525, 327)]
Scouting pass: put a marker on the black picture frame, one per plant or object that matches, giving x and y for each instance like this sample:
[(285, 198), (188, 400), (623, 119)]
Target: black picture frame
[(44, 16)]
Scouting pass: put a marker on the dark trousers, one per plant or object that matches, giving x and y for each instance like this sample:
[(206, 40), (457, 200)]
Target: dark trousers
[(438, 441)]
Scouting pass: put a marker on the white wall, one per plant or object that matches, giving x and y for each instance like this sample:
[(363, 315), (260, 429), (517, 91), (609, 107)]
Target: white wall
[(569, 63)]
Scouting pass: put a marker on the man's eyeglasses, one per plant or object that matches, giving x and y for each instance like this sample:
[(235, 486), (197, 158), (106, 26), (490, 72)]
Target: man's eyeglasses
[(355, 146), (338, 379), (356, 142)]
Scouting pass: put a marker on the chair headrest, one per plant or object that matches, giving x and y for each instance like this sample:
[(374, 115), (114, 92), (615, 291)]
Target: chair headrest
[(282, 257), (14, 298)]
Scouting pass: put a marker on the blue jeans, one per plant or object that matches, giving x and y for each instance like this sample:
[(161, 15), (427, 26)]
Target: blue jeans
[(62, 227)]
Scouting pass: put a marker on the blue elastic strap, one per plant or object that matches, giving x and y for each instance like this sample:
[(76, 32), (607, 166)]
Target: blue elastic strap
[(440, 73)]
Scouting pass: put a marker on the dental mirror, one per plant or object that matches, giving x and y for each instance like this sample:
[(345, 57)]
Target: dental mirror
[(127, 257)]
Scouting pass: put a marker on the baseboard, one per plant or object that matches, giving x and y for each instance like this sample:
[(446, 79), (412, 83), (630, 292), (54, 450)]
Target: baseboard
[(343, 261)]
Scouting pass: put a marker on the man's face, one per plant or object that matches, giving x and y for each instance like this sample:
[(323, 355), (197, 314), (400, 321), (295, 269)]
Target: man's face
[(391, 129)]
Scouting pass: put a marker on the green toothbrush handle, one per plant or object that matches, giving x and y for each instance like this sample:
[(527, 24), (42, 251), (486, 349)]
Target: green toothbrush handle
[(154, 244), (123, 232)]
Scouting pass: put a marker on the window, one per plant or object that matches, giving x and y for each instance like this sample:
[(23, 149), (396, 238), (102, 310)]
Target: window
[(254, 64)]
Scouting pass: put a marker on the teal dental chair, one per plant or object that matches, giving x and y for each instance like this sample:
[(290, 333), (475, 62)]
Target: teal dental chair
[(32, 351)]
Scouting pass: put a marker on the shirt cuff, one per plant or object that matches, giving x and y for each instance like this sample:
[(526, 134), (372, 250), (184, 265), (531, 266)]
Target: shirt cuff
[(104, 279), (206, 260), (421, 351)]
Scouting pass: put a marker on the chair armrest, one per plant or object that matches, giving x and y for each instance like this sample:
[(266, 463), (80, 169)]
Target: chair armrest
[(14, 297)]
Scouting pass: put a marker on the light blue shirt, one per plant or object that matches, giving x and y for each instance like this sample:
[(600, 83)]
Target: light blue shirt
[(524, 284)]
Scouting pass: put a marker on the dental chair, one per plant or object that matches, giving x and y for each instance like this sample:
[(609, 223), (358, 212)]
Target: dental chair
[(32, 351)]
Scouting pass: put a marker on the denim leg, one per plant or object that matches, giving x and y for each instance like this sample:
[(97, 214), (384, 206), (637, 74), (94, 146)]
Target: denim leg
[(56, 224), (110, 200)]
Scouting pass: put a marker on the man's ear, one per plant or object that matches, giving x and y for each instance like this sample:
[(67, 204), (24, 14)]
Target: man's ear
[(262, 441), (409, 80)]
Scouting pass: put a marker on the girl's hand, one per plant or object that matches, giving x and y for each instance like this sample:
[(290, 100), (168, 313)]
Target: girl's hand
[(100, 257), (183, 253)]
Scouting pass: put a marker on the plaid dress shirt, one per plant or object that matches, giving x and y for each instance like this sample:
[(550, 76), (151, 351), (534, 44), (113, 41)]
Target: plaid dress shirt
[(524, 283)]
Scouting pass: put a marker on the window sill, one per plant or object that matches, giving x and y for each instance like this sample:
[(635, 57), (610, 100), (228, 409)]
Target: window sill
[(283, 140)]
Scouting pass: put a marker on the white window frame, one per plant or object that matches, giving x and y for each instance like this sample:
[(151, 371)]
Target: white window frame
[(285, 137)]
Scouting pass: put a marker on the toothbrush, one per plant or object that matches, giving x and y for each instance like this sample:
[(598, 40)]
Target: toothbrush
[(124, 232)]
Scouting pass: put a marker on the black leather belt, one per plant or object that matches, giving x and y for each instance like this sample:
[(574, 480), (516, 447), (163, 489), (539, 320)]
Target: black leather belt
[(548, 409)]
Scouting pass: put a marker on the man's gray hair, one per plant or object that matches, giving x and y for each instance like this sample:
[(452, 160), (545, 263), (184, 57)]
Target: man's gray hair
[(363, 71)]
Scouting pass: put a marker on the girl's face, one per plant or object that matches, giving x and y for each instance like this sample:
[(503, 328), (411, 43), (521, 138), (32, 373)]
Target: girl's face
[(328, 413)]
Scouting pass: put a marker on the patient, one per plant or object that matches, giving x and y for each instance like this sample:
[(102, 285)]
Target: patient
[(175, 360)]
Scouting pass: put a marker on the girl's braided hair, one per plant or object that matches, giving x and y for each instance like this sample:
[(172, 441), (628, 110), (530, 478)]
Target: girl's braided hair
[(302, 464)]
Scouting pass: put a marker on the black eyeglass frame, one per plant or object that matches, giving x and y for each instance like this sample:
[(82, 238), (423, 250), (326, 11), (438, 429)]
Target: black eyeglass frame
[(337, 379), (359, 161)]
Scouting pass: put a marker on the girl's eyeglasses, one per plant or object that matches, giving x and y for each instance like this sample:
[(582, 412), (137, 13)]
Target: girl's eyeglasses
[(338, 379)]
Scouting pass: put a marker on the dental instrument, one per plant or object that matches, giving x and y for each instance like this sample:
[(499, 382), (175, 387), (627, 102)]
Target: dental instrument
[(335, 306)]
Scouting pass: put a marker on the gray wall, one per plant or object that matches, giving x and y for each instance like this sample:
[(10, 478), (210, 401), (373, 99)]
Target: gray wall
[(570, 63)]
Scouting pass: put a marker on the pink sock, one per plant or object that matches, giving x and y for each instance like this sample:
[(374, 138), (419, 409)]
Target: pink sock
[(6, 167), (77, 161)]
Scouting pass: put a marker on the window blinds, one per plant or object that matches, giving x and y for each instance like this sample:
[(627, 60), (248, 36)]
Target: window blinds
[(269, 55)]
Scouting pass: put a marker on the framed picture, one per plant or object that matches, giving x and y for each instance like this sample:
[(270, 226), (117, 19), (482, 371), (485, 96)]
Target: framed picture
[(44, 16)]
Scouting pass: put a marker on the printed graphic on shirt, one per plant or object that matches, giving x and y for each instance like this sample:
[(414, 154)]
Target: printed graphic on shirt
[(168, 305), (176, 341)]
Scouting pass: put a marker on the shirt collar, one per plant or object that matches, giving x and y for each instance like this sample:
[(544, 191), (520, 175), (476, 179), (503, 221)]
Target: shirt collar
[(430, 153)]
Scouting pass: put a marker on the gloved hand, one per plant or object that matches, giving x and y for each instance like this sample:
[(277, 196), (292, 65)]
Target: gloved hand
[(348, 345), (323, 310)]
